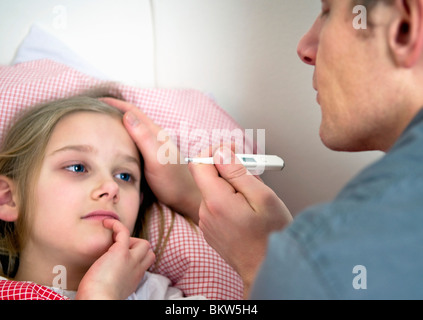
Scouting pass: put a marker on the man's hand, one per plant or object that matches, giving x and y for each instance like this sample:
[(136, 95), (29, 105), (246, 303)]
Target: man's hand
[(237, 213), (172, 184)]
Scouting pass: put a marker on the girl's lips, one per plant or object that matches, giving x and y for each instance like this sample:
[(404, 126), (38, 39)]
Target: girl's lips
[(101, 215)]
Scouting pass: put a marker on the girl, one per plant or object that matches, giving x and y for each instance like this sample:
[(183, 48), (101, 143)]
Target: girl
[(71, 185)]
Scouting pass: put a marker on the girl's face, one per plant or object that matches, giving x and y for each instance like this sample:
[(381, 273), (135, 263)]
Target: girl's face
[(90, 172)]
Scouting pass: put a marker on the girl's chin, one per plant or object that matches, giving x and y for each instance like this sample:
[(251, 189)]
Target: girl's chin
[(95, 246)]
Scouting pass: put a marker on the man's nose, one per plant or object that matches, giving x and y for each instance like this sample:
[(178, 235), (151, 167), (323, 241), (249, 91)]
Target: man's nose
[(307, 47)]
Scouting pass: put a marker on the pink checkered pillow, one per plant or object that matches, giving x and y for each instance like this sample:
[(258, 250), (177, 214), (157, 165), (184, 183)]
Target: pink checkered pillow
[(188, 261)]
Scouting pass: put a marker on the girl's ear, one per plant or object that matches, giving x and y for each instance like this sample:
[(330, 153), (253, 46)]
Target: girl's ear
[(8, 208)]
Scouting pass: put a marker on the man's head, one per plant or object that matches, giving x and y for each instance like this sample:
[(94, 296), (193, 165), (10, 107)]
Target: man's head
[(367, 79)]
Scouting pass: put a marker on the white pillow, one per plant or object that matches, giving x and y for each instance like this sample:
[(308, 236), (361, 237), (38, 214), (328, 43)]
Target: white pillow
[(40, 44)]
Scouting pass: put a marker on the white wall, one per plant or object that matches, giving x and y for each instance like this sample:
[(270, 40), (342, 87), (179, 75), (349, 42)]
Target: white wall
[(114, 37), (241, 51)]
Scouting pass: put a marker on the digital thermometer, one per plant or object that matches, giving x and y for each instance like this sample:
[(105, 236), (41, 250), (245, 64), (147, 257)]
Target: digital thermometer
[(255, 163)]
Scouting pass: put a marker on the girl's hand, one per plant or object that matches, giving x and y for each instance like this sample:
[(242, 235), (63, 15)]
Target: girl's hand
[(118, 272), (172, 184)]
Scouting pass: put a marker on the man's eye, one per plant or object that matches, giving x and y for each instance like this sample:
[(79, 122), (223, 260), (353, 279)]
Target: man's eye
[(325, 13), (325, 9), (78, 168), (124, 176)]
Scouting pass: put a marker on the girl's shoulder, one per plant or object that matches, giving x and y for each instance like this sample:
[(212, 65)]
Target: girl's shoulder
[(25, 290)]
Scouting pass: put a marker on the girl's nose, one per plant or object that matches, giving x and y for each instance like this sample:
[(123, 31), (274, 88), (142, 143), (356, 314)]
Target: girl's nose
[(107, 190)]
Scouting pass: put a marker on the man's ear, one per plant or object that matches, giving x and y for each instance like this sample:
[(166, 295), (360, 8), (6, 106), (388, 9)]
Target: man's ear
[(8, 207), (406, 32)]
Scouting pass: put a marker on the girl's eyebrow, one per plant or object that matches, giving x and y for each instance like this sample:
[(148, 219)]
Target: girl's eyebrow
[(90, 149), (80, 148)]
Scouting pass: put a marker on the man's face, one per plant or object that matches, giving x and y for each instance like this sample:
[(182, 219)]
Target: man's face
[(350, 77)]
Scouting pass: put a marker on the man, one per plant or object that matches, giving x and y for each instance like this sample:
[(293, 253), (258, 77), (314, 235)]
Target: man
[(366, 244)]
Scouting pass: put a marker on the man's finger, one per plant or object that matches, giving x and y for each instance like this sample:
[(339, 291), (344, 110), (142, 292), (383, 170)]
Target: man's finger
[(230, 169), (208, 181), (133, 115)]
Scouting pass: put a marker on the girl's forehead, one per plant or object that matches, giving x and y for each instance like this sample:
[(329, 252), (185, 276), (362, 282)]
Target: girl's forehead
[(85, 120), (97, 129)]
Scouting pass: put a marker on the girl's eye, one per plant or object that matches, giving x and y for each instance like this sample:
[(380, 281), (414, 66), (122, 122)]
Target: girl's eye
[(124, 176), (78, 168)]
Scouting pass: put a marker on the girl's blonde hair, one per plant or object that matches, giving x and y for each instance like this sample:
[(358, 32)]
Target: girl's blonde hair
[(21, 155)]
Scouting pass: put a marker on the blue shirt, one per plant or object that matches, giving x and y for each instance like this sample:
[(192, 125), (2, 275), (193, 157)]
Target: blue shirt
[(366, 244)]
